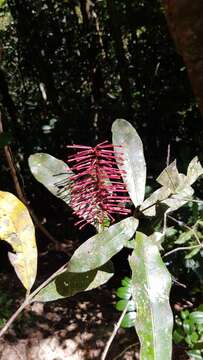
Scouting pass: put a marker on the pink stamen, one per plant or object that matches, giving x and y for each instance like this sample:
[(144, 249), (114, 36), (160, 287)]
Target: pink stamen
[(97, 187)]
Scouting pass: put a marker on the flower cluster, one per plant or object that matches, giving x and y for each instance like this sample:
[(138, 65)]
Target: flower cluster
[(97, 190)]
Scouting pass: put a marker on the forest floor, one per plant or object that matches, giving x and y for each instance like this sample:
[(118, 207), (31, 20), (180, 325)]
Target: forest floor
[(70, 329)]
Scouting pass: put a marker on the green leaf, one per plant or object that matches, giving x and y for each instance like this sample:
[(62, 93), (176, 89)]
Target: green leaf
[(126, 282), (195, 354), (193, 252), (100, 248), (52, 173), (68, 284), (184, 314), (187, 326), (178, 335), (129, 320), (17, 229), (194, 337), (2, 3), (151, 286), (197, 317), (124, 292), (184, 237), (121, 304), (134, 165)]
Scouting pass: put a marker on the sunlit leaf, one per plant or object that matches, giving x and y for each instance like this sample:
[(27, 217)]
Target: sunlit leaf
[(100, 248), (194, 170), (52, 173), (149, 205), (17, 229), (169, 177), (181, 198), (164, 196), (134, 165), (68, 284), (151, 286)]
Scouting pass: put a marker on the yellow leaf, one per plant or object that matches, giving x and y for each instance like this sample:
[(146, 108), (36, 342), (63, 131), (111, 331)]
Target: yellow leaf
[(17, 229)]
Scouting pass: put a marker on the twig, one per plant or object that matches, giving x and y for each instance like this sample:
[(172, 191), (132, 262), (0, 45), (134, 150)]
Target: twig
[(181, 223), (181, 248), (129, 347), (178, 283), (168, 155), (116, 327), (29, 299), (19, 191)]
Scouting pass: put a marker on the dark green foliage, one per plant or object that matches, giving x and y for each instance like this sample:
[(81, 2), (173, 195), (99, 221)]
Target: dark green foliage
[(189, 331), (6, 308)]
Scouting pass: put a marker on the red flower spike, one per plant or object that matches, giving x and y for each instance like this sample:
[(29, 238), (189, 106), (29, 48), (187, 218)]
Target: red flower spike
[(97, 190)]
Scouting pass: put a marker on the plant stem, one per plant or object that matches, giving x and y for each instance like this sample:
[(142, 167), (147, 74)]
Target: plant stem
[(181, 223), (116, 327), (28, 300), (181, 248), (129, 347)]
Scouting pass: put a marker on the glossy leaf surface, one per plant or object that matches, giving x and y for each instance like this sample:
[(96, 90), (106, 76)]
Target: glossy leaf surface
[(68, 284), (17, 229), (151, 285), (134, 167), (100, 248)]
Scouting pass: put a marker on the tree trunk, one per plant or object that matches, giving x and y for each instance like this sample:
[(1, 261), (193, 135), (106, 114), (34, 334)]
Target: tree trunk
[(185, 20)]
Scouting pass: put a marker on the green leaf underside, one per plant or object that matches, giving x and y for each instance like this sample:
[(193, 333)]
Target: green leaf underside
[(100, 248), (52, 173), (151, 287), (134, 165), (68, 284)]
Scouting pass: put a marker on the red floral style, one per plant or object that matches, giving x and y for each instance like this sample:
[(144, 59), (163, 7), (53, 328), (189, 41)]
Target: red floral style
[(97, 190)]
